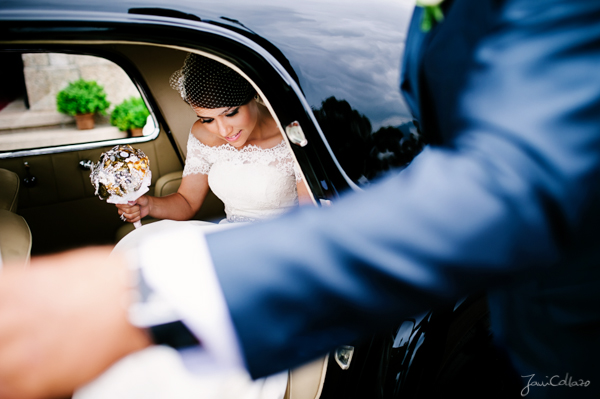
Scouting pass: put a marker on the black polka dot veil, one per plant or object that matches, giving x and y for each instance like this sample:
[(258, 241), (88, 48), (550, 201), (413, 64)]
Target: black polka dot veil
[(205, 83)]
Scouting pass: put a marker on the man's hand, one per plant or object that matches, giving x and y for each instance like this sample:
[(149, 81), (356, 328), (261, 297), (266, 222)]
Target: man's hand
[(63, 321)]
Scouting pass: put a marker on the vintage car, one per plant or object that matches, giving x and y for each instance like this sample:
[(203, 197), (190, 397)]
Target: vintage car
[(328, 72)]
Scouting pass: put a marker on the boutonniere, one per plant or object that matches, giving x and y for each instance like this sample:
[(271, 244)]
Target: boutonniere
[(431, 12)]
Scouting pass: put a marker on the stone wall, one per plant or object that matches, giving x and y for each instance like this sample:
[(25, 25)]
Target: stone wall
[(48, 73)]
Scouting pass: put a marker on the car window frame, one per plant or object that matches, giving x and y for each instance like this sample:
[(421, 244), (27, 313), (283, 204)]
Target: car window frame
[(324, 175), (127, 69)]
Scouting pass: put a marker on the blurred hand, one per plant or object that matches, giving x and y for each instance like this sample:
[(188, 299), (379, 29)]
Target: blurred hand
[(63, 321), (134, 211)]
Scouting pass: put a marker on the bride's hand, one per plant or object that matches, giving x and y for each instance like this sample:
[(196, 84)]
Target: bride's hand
[(134, 211)]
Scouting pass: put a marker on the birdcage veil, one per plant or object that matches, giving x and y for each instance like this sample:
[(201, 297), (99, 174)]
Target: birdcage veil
[(206, 83)]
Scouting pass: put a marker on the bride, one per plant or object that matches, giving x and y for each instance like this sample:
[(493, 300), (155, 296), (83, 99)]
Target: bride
[(236, 149)]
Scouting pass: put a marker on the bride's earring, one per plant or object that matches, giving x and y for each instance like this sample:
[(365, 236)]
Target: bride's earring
[(259, 100)]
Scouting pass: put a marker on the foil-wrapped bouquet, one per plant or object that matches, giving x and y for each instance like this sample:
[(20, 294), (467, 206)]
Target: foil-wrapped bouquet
[(122, 175)]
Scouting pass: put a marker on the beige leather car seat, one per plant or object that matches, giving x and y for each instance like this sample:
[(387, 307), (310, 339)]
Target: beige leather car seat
[(9, 190), (211, 210), (306, 382), (15, 235)]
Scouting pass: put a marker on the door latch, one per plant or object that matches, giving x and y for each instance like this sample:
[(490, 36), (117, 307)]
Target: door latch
[(29, 180), (295, 134), (343, 356)]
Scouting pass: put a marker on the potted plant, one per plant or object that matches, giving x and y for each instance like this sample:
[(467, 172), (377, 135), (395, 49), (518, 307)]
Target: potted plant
[(82, 99), (130, 116)]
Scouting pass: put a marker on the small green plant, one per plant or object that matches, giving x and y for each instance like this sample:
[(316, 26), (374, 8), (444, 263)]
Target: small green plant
[(82, 97), (130, 114)]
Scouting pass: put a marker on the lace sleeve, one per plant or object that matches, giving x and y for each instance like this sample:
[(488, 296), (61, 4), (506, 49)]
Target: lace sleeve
[(283, 158), (198, 157), (297, 173), (289, 163)]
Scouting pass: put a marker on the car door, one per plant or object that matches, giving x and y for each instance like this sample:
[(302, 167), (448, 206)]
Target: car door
[(56, 196)]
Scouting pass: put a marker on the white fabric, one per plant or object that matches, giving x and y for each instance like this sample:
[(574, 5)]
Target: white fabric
[(186, 279), (252, 182), (175, 276)]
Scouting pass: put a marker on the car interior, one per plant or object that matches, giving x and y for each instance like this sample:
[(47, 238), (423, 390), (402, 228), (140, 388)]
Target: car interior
[(47, 201), (15, 236), (60, 206)]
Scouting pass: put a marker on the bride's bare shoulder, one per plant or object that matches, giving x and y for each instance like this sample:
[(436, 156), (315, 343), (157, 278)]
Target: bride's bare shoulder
[(203, 136)]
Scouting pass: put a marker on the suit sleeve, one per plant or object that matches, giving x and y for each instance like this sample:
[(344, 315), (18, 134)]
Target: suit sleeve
[(512, 192)]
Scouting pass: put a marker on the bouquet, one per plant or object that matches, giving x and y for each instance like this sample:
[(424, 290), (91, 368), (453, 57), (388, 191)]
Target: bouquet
[(122, 175)]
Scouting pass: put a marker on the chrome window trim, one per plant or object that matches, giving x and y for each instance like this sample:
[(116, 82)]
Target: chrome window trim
[(84, 146), (80, 146)]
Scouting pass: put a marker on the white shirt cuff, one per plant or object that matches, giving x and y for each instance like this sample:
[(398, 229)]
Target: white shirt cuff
[(176, 264)]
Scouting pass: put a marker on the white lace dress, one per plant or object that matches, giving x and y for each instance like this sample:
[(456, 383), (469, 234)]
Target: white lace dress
[(254, 183)]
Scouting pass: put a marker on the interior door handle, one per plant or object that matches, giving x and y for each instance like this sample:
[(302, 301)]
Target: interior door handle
[(295, 134), (85, 164), (29, 180)]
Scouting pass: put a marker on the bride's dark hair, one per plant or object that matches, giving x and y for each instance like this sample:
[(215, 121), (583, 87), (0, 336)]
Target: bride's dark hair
[(206, 83)]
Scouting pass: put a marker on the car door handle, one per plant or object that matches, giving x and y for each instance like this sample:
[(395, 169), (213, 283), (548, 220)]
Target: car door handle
[(29, 180), (86, 164), (295, 134)]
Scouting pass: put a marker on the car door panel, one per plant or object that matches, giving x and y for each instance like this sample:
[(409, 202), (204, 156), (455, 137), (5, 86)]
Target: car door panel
[(61, 208)]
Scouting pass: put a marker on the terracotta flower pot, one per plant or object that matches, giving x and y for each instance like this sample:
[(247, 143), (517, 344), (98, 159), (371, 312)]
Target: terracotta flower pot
[(137, 132), (84, 121)]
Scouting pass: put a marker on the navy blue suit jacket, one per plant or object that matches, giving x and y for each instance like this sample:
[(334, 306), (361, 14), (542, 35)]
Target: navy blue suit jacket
[(506, 198)]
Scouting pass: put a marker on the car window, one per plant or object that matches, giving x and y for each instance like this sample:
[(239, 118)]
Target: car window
[(366, 152), (58, 99)]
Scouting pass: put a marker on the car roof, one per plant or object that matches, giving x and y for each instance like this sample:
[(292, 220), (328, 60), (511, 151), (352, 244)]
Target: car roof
[(350, 50)]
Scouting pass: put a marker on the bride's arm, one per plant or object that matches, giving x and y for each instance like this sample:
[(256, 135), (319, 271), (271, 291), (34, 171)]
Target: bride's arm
[(181, 205), (304, 196), (184, 204)]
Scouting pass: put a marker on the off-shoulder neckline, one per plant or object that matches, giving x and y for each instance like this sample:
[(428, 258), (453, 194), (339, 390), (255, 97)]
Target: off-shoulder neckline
[(248, 147)]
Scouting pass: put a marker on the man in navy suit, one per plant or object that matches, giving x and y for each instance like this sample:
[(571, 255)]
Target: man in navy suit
[(505, 198)]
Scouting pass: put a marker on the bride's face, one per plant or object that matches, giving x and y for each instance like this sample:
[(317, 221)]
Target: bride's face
[(231, 124)]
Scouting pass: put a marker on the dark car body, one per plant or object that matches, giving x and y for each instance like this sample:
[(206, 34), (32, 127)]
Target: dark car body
[(330, 67)]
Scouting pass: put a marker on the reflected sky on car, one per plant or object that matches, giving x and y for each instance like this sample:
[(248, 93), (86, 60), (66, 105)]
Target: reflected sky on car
[(353, 48), (344, 48)]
